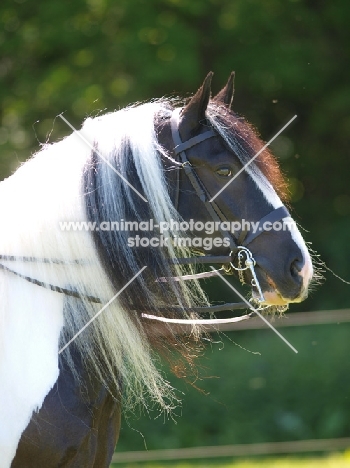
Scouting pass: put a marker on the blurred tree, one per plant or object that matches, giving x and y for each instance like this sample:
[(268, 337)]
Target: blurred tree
[(88, 56), (291, 56)]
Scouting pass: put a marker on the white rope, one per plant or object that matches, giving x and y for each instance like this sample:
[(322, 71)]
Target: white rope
[(196, 321)]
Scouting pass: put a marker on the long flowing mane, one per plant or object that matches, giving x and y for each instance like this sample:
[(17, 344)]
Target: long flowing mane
[(68, 182)]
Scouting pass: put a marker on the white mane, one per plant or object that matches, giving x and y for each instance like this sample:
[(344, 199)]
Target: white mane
[(44, 191)]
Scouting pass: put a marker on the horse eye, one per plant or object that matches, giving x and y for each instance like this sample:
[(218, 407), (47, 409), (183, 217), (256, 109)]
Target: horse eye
[(224, 172)]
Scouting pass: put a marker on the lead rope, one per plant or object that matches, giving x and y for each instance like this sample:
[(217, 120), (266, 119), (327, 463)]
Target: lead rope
[(71, 293)]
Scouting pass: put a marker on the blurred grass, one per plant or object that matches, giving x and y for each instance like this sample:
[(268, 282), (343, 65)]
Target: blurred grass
[(328, 461)]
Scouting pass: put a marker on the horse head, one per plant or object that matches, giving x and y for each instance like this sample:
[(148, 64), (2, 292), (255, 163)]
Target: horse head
[(229, 179)]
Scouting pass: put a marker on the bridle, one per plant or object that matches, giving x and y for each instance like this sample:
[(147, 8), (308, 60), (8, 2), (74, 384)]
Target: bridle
[(238, 247)]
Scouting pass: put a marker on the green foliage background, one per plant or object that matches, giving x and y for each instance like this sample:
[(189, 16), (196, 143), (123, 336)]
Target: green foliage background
[(252, 388), (291, 57)]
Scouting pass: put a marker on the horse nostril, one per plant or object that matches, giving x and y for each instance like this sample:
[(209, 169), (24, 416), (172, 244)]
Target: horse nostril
[(295, 268)]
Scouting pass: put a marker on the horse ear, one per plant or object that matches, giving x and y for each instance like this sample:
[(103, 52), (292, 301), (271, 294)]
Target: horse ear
[(194, 112), (225, 96)]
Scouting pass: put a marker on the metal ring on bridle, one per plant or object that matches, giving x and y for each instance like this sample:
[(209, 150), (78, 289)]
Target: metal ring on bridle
[(249, 255), (249, 264)]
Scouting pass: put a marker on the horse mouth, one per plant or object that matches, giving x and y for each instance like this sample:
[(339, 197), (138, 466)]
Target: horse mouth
[(272, 296)]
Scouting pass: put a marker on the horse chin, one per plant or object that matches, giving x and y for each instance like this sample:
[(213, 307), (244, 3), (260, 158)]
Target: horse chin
[(274, 298)]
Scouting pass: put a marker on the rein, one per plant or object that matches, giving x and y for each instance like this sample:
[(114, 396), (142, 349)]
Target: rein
[(65, 291), (238, 247)]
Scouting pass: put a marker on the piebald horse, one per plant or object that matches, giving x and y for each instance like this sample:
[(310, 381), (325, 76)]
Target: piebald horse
[(101, 238)]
